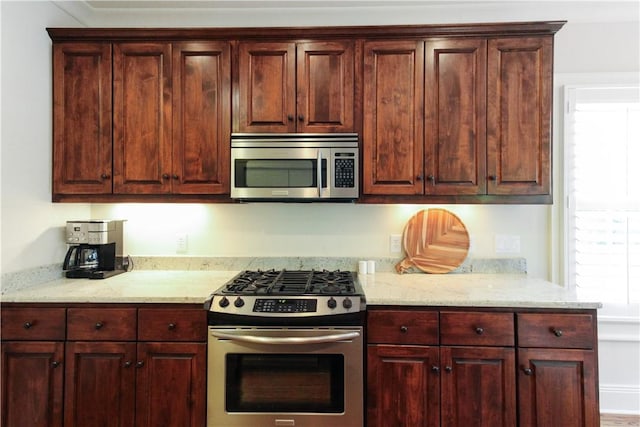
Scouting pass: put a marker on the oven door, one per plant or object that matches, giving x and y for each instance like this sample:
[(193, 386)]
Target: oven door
[(285, 377)]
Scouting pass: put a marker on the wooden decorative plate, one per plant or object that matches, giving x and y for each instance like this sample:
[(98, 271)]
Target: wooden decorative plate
[(435, 241)]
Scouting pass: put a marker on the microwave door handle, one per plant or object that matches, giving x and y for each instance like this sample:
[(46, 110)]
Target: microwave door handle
[(319, 173), (252, 339)]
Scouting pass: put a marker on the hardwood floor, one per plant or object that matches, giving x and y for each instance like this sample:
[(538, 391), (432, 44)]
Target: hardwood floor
[(607, 420)]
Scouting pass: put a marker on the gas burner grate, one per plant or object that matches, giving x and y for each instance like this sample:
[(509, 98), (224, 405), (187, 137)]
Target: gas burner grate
[(291, 282)]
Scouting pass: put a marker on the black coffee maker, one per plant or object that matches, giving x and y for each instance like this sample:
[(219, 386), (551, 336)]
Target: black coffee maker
[(95, 249)]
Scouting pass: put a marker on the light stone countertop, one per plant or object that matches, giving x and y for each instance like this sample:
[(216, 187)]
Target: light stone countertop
[(385, 288), (469, 290)]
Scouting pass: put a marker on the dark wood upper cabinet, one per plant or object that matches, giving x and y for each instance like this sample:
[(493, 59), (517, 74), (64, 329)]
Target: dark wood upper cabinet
[(289, 87), (392, 136), (82, 118), (142, 118), (455, 117), (520, 84), (201, 117), (455, 113)]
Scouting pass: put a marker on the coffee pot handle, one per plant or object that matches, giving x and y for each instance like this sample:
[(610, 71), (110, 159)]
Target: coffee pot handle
[(67, 257)]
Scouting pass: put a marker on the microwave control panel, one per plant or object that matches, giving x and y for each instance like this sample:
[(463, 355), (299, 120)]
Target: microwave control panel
[(345, 170)]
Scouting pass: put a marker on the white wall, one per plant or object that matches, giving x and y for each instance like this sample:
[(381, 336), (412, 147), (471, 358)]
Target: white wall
[(31, 233)]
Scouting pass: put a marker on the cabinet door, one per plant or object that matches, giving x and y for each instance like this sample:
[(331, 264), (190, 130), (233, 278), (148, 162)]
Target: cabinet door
[(455, 117), (266, 88), (142, 118), (325, 87), (99, 384), (403, 386), (393, 141), (202, 117), (519, 87), (557, 388), (32, 374), (171, 385), (478, 387), (82, 118)]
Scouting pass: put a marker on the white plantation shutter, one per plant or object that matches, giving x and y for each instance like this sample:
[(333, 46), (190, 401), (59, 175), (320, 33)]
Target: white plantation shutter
[(602, 168)]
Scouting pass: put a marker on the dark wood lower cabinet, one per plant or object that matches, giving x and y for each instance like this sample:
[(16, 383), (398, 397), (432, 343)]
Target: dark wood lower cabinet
[(556, 387), (473, 369), (478, 387), (100, 384), (103, 366), (403, 387), (170, 386), (32, 376)]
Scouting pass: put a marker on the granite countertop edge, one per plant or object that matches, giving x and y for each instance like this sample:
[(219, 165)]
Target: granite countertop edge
[(381, 289)]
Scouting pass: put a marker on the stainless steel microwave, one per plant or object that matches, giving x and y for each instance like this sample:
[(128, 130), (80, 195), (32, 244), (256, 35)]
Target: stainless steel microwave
[(294, 166)]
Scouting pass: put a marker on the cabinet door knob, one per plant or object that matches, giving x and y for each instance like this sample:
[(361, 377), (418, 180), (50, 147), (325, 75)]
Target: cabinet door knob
[(27, 325), (435, 369), (301, 118), (165, 176), (431, 178), (55, 364), (105, 176), (290, 117), (557, 332), (479, 330), (419, 178), (175, 176), (403, 329), (171, 326), (127, 364), (99, 325), (139, 364), (492, 177), (527, 371), (448, 369)]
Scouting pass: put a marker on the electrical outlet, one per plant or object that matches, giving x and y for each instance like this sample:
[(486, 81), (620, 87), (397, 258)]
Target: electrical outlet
[(395, 243), (181, 243), (507, 244)]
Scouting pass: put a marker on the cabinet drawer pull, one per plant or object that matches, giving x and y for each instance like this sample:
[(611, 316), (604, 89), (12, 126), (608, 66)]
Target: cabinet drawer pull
[(557, 332), (403, 329), (171, 326), (27, 325), (99, 325), (479, 330)]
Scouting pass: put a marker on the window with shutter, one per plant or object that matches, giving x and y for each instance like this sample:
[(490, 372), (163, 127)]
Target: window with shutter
[(602, 182)]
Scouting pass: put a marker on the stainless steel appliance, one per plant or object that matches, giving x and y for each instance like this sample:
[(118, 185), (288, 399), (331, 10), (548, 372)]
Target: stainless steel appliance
[(286, 349), (96, 249), (295, 166)]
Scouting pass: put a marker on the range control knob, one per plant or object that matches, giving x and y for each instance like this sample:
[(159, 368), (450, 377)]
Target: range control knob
[(239, 302), (347, 303), (224, 302), (332, 303)]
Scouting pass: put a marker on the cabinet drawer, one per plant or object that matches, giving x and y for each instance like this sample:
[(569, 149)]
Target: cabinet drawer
[(33, 324), (402, 327), (159, 324), (101, 324), (556, 330), (475, 328)]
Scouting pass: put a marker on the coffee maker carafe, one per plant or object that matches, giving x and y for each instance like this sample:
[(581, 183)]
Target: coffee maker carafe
[(95, 249)]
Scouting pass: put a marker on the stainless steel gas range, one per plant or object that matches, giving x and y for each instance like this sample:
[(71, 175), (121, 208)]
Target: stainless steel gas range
[(286, 349)]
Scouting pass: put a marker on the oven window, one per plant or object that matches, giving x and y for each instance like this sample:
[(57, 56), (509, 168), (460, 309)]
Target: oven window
[(279, 173), (285, 383)]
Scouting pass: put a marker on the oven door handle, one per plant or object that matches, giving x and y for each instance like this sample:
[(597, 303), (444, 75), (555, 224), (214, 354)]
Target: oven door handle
[(319, 173), (288, 340)]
